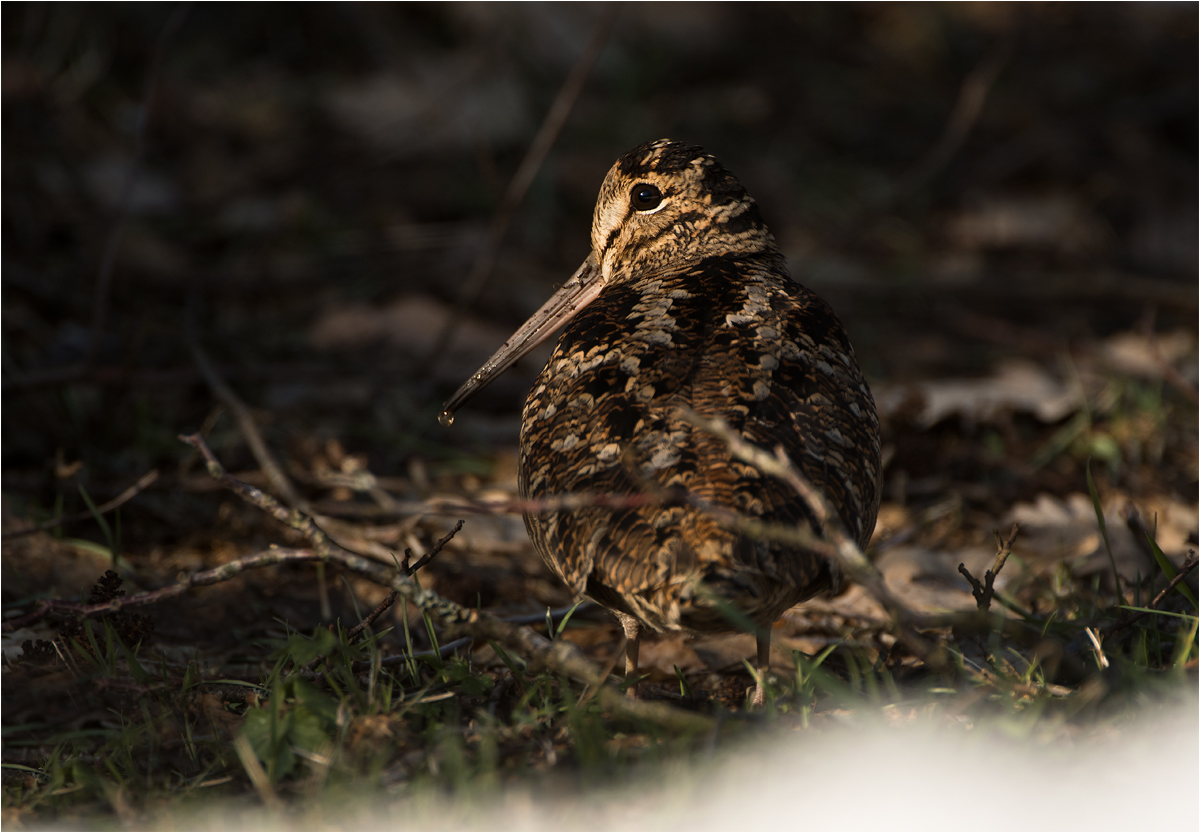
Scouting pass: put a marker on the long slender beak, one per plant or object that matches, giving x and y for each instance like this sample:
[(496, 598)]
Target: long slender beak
[(579, 291)]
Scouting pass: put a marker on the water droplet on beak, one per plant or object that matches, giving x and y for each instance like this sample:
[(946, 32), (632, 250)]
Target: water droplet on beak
[(446, 418)]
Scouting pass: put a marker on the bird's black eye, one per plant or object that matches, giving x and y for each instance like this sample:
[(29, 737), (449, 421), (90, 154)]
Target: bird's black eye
[(646, 197)]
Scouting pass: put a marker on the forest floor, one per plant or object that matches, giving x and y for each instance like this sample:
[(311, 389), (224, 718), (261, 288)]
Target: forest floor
[(274, 275)]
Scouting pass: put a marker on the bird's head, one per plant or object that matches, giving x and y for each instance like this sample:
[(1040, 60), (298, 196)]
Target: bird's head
[(663, 205), (667, 204)]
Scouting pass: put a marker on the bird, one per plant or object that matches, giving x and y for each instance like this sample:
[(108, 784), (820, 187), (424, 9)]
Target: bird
[(685, 304)]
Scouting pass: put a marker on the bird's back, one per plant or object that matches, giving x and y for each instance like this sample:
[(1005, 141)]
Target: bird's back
[(730, 337)]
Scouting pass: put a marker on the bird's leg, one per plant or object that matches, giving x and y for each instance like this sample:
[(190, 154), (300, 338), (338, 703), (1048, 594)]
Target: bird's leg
[(762, 664), (632, 644)]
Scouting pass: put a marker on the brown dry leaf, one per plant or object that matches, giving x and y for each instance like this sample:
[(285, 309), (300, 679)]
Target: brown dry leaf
[(42, 564), (928, 580), (658, 657), (1054, 529), (213, 708), (1139, 355), (1016, 385), (502, 534), (1055, 221), (892, 518), (449, 104)]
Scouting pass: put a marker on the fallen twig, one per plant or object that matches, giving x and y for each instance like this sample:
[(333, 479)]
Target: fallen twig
[(984, 591), (518, 186), (113, 242), (427, 557), (125, 496), (509, 506), (972, 96), (392, 595), (247, 427), (267, 558), (1129, 619), (833, 542), (559, 656)]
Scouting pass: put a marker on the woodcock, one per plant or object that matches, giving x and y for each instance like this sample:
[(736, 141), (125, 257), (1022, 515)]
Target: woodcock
[(685, 302)]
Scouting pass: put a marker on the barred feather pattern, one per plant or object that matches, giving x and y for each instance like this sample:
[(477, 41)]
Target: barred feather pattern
[(699, 313)]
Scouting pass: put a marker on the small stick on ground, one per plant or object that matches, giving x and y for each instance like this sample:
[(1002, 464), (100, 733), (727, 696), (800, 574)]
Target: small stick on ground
[(125, 496), (558, 656), (392, 595), (518, 186), (983, 592), (840, 546), (972, 96), (247, 427), (113, 243), (427, 557), (267, 558), (1134, 616)]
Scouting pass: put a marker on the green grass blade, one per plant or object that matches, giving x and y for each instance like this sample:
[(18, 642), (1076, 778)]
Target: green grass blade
[(104, 527), (1168, 569), (1061, 440), (1186, 616), (135, 668), (1183, 646), (1103, 526), (566, 618), (685, 690)]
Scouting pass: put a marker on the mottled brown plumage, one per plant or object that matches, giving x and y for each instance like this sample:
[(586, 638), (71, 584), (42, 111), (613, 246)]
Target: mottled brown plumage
[(687, 304)]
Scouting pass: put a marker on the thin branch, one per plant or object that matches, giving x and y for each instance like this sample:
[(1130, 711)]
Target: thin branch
[(556, 613), (518, 186), (392, 595), (427, 557), (125, 496), (458, 505), (267, 558), (984, 591), (113, 243), (247, 426), (1129, 619), (833, 542), (972, 96), (559, 656)]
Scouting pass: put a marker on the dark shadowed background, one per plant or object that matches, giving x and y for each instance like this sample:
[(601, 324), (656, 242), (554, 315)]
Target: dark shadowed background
[(314, 182)]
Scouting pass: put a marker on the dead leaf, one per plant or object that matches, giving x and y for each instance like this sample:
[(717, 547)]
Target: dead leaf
[(1055, 221), (1016, 386), (1054, 529)]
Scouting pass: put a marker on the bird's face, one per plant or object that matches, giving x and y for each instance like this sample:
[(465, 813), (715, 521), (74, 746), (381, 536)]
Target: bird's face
[(663, 205), (666, 204)]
